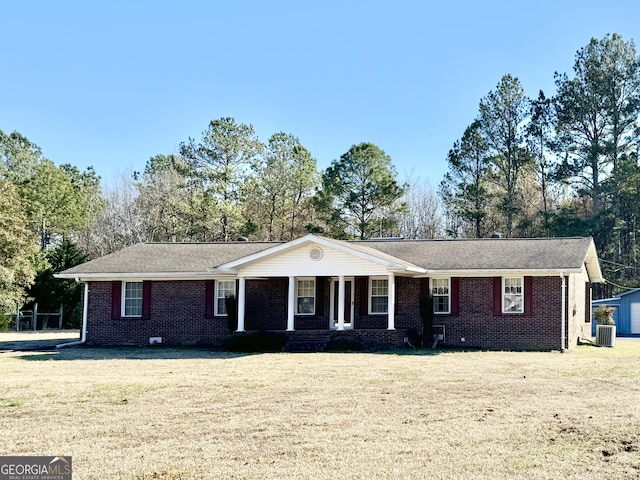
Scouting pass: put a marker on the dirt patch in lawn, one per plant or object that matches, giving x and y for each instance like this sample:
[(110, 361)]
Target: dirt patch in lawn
[(196, 414)]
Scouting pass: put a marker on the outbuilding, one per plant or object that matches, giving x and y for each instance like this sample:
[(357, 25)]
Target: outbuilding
[(626, 314)]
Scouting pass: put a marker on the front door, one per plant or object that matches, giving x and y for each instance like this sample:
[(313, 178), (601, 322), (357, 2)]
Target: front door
[(348, 303)]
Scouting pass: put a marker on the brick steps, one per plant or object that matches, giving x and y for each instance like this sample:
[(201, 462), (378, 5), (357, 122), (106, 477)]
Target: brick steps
[(308, 341)]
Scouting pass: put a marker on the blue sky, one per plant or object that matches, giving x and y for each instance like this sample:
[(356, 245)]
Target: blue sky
[(110, 84)]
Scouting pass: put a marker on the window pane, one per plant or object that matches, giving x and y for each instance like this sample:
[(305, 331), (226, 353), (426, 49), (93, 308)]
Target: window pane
[(440, 286), (225, 288), (513, 295), (440, 304), (440, 294), (222, 306), (306, 304), (379, 287), (379, 304), (306, 296), (133, 299), (379, 295), (306, 288)]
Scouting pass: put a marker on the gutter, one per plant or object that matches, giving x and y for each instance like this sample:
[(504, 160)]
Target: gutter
[(563, 335), (85, 310)]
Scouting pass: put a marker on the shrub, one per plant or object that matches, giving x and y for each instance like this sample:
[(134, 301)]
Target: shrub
[(232, 312), (375, 346), (4, 322), (255, 342), (604, 315), (427, 315), (341, 344)]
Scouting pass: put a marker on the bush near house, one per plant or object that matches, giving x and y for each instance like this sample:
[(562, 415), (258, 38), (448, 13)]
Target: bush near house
[(255, 342)]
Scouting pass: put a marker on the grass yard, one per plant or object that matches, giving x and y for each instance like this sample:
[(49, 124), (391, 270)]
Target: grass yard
[(194, 414)]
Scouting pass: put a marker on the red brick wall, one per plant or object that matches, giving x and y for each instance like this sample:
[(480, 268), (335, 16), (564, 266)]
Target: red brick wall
[(177, 315), (407, 312), (266, 304), (480, 327)]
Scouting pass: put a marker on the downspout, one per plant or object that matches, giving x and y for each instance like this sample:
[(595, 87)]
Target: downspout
[(564, 312), (85, 310)]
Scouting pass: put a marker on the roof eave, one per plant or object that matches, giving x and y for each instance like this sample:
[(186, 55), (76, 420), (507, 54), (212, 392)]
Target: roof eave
[(107, 276), (490, 272), (592, 264)]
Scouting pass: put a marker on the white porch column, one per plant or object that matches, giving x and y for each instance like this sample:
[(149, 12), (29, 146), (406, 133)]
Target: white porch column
[(291, 304), (241, 303), (341, 302), (391, 309)]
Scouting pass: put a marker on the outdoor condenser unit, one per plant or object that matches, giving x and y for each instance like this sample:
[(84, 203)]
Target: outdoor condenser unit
[(605, 335)]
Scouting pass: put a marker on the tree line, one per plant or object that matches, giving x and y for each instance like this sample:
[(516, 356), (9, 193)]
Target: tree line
[(559, 165)]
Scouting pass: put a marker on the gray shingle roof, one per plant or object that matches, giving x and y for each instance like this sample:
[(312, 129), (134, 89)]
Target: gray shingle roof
[(438, 255), (169, 257), (489, 253)]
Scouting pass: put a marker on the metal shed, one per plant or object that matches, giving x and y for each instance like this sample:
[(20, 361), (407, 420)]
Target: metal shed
[(626, 314)]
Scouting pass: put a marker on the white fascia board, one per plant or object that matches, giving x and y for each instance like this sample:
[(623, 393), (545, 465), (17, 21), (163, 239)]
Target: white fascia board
[(500, 272), (99, 277), (416, 270), (592, 264), (408, 271)]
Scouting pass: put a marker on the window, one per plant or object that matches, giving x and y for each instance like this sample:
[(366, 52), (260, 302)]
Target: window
[(379, 294), (513, 295), (441, 293), (306, 296), (131, 299), (224, 289)]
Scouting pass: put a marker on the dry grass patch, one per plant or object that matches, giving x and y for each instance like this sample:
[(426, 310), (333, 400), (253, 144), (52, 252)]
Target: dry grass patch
[(189, 414)]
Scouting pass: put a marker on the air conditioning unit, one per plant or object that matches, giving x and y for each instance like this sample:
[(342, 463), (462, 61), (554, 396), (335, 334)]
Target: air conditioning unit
[(606, 335)]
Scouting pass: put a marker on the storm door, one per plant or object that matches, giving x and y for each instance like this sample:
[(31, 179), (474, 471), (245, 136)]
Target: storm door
[(348, 303)]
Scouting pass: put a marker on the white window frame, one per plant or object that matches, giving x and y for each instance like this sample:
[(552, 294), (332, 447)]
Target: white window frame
[(312, 297), (371, 280), (435, 295), (504, 295), (216, 296), (123, 299)]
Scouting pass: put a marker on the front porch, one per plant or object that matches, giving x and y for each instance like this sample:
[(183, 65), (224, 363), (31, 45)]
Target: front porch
[(322, 340), (339, 303)]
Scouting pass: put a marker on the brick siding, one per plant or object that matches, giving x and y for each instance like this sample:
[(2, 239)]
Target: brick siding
[(480, 326), (178, 314)]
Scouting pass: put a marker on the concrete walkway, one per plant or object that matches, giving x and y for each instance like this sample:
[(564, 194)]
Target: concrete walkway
[(40, 340)]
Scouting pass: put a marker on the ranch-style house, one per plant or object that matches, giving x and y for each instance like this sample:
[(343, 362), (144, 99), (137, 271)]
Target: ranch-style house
[(515, 294)]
